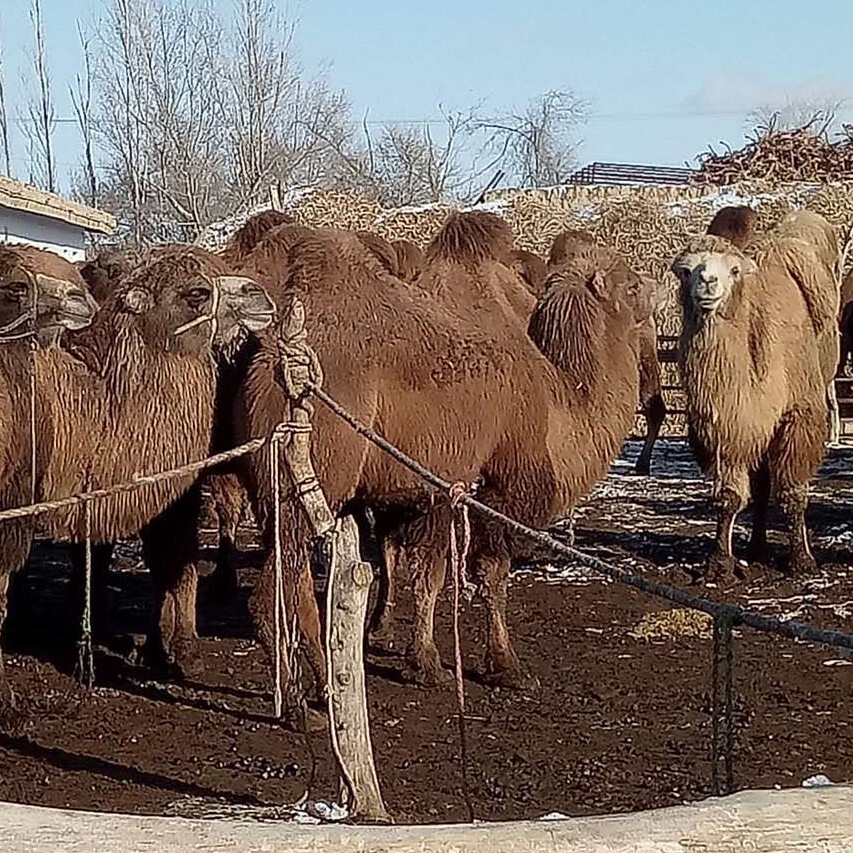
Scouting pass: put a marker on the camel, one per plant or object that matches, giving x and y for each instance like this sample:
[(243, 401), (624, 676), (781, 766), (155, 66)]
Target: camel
[(410, 259), (149, 408), (471, 399), (574, 248), (750, 360), (382, 250)]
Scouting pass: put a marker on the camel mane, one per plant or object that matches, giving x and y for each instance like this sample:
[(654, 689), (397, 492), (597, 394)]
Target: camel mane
[(472, 238)]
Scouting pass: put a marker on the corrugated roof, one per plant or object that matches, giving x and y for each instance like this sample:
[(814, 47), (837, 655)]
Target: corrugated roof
[(20, 196)]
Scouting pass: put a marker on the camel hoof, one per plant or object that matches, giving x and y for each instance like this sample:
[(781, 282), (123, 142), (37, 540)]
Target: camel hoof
[(512, 678), (304, 721), (758, 553), (801, 564), (422, 674), (223, 586), (721, 568)]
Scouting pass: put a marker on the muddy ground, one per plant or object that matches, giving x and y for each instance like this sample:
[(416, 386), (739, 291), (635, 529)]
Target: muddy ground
[(620, 720)]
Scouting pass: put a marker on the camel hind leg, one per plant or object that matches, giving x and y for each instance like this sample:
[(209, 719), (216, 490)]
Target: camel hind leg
[(834, 414), (795, 454), (759, 487), (230, 502)]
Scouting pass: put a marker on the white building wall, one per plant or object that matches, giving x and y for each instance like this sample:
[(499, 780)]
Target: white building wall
[(18, 226)]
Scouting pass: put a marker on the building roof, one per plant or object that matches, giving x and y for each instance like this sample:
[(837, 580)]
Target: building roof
[(19, 196), (620, 174)]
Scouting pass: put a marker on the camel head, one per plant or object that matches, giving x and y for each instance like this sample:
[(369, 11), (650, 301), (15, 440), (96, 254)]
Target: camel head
[(184, 300), (50, 286), (711, 270)]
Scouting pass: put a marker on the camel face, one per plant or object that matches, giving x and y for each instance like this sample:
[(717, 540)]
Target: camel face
[(64, 304), (60, 304), (244, 306), (708, 278)]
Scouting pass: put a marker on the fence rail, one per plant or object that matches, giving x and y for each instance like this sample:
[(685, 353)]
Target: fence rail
[(617, 174)]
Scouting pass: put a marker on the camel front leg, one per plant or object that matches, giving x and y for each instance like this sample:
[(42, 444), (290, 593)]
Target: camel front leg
[(170, 551), (655, 413), (15, 540), (721, 567)]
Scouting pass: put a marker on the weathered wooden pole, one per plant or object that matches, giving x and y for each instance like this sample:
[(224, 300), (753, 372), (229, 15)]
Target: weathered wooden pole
[(349, 580)]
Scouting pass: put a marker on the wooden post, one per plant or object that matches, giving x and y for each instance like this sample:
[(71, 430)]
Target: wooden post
[(349, 581)]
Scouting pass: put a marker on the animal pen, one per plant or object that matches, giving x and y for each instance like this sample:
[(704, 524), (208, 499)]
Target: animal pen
[(363, 748)]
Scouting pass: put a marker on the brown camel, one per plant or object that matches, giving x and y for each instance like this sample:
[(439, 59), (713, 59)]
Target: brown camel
[(578, 249), (41, 293), (382, 250), (470, 399), (149, 408), (410, 259), (751, 369)]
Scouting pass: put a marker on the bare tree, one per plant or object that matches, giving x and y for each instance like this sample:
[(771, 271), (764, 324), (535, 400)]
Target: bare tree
[(538, 143), (81, 98), (38, 127), (817, 113), (4, 115)]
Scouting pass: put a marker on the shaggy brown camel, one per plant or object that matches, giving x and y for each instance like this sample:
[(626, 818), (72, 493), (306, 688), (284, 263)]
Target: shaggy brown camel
[(149, 408), (578, 249), (410, 259), (42, 293), (468, 399), (751, 370)]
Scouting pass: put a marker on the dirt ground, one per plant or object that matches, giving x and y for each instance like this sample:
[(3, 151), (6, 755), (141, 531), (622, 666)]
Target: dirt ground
[(620, 720)]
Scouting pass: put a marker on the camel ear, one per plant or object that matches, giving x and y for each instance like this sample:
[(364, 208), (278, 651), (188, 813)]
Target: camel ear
[(747, 266), (138, 300), (598, 284)]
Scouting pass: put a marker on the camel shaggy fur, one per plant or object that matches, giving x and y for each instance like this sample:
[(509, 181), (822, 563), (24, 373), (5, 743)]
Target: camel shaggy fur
[(149, 408), (471, 399), (577, 249), (751, 368)]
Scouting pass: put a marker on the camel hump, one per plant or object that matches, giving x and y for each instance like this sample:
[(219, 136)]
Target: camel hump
[(252, 231), (471, 238), (410, 259), (382, 250), (568, 244), (815, 230), (735, 223)]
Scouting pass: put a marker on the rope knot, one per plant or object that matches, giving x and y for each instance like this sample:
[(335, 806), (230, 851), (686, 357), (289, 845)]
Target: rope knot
[(456, 492)]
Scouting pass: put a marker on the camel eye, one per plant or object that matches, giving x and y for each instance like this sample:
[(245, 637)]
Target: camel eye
[(197, 296), (735, 271)]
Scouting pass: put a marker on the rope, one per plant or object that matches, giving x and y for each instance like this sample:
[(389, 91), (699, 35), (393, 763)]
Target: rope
[(722, 682), (204, 318), (458, 559), (279, 612), (137, 483), (739, 616), (85, 655)]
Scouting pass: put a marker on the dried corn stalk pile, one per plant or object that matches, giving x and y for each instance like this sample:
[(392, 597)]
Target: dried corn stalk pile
[(803, 154)]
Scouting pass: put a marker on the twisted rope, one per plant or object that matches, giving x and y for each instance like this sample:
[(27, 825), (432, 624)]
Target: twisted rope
[(722, 678), (85, 654), (459, 559), (137, 483), (279, 609)]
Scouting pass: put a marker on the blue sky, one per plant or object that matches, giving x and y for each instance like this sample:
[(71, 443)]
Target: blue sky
[(665, 78)]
